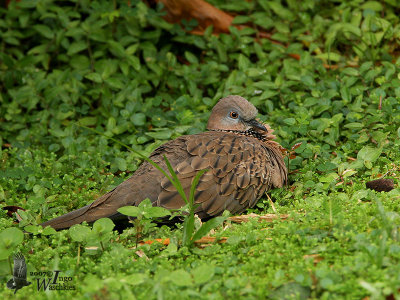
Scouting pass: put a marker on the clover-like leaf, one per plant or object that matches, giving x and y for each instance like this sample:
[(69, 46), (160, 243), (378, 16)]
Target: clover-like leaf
[(79, 233), (181, 278), (131, 211), (156, 212), (103, 225), (9, 239), (203, 273)]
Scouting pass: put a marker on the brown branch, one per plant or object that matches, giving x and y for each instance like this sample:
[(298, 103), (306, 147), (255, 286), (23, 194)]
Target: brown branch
[(203, 12)]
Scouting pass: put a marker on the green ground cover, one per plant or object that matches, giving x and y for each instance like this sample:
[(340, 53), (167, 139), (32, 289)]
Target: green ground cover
[(125, 72)]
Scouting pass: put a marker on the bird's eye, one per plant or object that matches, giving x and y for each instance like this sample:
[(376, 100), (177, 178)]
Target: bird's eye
[(234, 115)]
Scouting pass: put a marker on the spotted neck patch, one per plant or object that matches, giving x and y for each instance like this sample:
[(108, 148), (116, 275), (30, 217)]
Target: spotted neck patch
[(251, 132)]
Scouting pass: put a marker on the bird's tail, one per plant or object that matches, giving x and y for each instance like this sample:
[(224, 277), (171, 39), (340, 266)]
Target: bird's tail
[(69, 219), (101, 208)]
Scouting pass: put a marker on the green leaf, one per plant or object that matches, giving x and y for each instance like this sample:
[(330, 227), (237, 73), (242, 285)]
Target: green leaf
[(348, 173), (351, 72), (32, 229), (329, 56), (115, 83), (361, 194), (326, 166), (136, 279), (131, 49), (131, 211), (290, 121), (282, 12), (95, 77), (331, 177), (291, 290), (145, 204), (80, 62), (138, 119), (87, 121), (203, 273), (372, 5), (164, 134), (207, 226), (49, 231), (121, 163), (243, 62), (44, 30), (9, 239), (117, 49), (28, 4), (191, 58), (181, 278), (103, 225), (76, 47), (239, 19), (79, 233), (157, 212), (354, 125), (369, 155), (254, 72), (326, 283), (134, 62)]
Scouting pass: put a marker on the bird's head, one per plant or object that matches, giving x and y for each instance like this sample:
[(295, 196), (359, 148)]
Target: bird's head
[(235, 113)]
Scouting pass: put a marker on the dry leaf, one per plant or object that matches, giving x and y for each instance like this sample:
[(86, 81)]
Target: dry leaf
[(297, 145), (316, 257), (141, 254), (209, 240), (267, 217), (162, 241), (92, 248)]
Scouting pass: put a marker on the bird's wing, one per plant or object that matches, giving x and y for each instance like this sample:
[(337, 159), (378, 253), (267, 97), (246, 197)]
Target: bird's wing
[(240, 170), (19, 266)]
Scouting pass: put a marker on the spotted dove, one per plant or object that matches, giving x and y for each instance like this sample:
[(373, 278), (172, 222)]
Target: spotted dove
[(242, 160)]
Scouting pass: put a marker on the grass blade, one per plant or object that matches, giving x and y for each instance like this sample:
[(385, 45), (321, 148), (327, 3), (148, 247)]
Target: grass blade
[(177, 184), (207, 226), (193, 186), (188, 229)]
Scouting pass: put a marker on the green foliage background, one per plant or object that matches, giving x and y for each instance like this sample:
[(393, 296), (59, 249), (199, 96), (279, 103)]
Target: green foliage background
[(124, 71)]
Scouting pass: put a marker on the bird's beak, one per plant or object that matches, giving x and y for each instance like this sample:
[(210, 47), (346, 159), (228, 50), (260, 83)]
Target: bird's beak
[(255, 124)]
